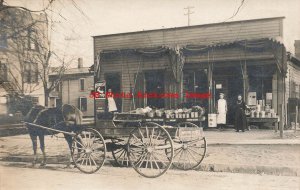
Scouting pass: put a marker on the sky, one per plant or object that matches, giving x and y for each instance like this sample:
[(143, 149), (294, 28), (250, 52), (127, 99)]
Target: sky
[(76, 21)]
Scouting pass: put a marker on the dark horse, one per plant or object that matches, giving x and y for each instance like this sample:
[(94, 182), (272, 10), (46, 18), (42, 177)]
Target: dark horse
[(67, 118)]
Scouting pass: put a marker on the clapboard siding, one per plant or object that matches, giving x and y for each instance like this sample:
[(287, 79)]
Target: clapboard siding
[(202, 34), (293, 76)]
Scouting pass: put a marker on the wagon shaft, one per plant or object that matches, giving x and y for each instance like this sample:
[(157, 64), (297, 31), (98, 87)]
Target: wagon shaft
[(50, 129)]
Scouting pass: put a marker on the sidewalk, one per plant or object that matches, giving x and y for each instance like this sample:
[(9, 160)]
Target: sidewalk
[(255, 151)]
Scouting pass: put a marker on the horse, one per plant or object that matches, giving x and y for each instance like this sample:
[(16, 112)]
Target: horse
[(67, 118)]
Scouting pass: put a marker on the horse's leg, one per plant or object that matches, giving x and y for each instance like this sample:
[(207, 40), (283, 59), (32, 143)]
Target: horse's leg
[(69, 141), (42, 146), (34, 147)]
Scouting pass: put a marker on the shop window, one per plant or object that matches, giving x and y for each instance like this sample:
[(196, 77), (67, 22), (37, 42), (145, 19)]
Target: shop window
[(81, 84), (30, 72), (82, 104), (154, 81), (195, 82)]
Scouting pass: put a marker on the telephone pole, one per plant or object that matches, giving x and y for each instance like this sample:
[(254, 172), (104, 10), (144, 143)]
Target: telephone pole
[(189, 12)]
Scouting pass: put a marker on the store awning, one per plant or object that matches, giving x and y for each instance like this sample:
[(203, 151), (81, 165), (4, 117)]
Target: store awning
[(177, 53)]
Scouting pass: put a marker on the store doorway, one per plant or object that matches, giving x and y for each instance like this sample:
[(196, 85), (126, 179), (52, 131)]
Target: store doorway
[(228, 80), (154, 81)]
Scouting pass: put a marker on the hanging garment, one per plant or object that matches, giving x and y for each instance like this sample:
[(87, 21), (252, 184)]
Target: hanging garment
[(222, 110)]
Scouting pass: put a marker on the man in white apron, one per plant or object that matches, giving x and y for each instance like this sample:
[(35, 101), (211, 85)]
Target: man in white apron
[(222, 111)]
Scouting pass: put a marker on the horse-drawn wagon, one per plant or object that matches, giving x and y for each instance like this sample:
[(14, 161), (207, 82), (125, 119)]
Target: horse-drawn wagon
[(150, 146)]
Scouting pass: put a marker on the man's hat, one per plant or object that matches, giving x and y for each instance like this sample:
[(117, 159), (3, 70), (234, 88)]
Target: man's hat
[(221, 93)]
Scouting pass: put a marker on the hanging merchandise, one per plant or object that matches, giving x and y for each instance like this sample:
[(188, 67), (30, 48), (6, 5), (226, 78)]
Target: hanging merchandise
[(177, 62)]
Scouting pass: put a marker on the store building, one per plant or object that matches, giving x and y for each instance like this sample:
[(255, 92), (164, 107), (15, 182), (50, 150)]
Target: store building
[(292, 82), (241, 57)]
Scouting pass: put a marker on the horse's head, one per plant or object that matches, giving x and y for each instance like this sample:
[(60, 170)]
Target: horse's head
[(71, 114)]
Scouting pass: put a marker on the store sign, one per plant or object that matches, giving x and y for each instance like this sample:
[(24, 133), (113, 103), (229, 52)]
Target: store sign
[(100, 90), (218, 86)]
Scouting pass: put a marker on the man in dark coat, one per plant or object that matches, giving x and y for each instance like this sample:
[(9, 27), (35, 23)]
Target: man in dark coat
[(240, 116)]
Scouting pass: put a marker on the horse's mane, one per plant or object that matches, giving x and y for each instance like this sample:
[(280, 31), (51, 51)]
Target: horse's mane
[(33, 113)]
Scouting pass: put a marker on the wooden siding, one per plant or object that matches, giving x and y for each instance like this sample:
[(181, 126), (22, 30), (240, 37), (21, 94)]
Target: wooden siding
[(201, 34), (292, 81), (71, 93)]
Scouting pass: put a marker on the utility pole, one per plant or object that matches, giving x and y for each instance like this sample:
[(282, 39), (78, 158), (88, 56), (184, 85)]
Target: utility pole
[(189, 12)]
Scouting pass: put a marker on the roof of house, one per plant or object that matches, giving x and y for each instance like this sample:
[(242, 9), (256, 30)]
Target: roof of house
[(72, 71), (294, 59)]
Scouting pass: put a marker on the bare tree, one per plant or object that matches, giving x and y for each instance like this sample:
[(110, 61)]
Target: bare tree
[(29, 35)]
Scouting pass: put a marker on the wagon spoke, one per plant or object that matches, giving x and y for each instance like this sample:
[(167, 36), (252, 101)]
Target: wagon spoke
[(178, 153), (138, 139), (191, 155), (192, 149), (140, 162), (93, 160), (81, 157), (159, 159), (147, 132), (78, 142), (141, 135), (151, 164)]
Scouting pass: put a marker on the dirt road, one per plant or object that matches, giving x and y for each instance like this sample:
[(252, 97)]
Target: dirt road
[(23, 177)]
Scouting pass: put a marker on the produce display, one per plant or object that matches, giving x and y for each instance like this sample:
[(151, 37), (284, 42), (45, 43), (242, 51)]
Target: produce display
[(193, 112)]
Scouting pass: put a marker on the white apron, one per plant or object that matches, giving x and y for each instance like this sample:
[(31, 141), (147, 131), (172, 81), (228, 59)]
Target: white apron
[(111, 104), (222, 106)]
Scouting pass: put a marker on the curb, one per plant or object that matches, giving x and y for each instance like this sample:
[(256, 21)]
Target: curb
[(5, 132), (254, 144), (249, 169), (208, 167)]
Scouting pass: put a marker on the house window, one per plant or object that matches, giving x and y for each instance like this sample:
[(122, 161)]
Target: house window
[(81, 84), (58, 87), (32, 40), (30, 72), (3, 41), (82, 104), (3, 72), (35, 100)]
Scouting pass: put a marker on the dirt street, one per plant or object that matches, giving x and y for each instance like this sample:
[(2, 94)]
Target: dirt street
[(23, 177)]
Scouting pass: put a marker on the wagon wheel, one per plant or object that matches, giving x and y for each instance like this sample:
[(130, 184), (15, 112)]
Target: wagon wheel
[(147, 146), (88, 150), (189, 151), (120, 153)]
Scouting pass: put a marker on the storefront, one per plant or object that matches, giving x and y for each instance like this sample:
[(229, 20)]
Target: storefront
[(251, 63)]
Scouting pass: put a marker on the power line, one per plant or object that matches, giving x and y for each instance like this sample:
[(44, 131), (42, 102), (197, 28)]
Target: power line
[(189, 12), (236, 12)]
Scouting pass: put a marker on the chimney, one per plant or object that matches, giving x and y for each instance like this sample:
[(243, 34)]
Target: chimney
[(80, 63), (297, 48)]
